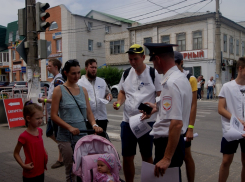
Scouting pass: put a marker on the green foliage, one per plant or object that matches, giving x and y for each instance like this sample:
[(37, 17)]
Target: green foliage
[(112, 75)]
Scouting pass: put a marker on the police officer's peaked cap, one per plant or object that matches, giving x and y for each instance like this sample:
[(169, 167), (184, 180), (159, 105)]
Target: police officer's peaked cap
[(159, 48)]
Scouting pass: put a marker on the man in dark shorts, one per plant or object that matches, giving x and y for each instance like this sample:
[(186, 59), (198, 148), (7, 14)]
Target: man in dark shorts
[(53, 67)]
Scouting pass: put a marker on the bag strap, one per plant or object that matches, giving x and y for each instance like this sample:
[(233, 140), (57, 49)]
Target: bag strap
[(73, 98), (125, 74), (152, 74)]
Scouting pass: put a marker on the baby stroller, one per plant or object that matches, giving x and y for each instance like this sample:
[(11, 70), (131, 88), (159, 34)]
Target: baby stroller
[(86, 152)]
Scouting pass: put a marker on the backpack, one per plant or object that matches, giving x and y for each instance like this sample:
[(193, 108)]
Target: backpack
[(59, 81), (152, 74)]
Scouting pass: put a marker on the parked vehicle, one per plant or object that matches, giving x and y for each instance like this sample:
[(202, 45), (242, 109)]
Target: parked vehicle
[(114, 91), (19, 85), (3, 84)]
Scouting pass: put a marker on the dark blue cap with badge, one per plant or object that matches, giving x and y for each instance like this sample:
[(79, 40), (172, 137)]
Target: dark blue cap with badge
[(159, 48)]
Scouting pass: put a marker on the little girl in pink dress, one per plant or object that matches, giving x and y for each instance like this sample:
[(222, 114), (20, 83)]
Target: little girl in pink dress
[(105, 164)]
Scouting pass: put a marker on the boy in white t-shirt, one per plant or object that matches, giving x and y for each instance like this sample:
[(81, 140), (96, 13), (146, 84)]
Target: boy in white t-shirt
[(232, 102)]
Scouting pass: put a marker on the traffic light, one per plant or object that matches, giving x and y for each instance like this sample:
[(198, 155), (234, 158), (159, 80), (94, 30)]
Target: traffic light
[(41, 16), (223, 66)]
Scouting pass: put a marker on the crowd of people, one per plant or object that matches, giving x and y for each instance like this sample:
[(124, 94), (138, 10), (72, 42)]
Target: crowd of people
[(75, 104)]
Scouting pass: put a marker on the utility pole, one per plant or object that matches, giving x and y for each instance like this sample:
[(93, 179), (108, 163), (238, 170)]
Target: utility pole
[(33, 69), (218, 83)]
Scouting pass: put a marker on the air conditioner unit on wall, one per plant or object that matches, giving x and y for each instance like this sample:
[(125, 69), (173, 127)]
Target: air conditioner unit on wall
[(99, 44)]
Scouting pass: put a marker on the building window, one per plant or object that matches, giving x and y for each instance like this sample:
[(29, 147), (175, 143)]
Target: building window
[(13, 54), (107, 29), (181, 42), (147, 40), (237, 47), (17, 35), (231, 45), (197, 40), (1, 60), (225, 42), (90, 45), (243, 48), (59, 45), (10, 37), (53, 26), (117, 47), (90, 25), (166, 39)]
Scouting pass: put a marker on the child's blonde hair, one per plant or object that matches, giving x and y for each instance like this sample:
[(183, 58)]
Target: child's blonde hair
[(29, 109)]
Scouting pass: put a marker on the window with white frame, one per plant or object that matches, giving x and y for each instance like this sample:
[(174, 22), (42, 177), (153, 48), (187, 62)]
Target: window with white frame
[(53, 26), (147, 40), (17, 35), (13, 54), (107, 29), (90, 25), (117, 47), (59, 45), (231, 48), (90, 45), (10, 37), (181, 41), (225, 42), (237, 47), (197, 40), (243, 48), (166, 39)]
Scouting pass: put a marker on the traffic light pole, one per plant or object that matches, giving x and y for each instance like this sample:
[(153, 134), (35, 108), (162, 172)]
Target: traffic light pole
[(33, 70), (218, 83)]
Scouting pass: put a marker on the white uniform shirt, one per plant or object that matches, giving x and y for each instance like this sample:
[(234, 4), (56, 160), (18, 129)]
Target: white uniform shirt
[(175, 103), (50, 92), (96, 89), (139, 89), (210, 83), (235, 102)]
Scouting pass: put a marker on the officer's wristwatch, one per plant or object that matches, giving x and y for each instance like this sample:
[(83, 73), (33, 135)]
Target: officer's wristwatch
[(96, 125)]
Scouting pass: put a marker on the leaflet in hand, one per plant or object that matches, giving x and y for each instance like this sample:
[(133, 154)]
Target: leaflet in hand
[(104, 101), (147, 174), (236, 130), (138, 127)]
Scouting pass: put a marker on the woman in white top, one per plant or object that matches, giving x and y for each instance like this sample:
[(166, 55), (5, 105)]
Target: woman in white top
[(199, 80)]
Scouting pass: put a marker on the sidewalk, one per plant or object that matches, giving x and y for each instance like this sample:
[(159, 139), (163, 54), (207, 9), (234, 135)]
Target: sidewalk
[(207, 167)]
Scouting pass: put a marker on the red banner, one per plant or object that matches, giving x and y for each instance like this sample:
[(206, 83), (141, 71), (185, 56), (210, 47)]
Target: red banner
[(14, 112)]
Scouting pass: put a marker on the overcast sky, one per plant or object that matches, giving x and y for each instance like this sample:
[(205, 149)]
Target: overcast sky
[(139, 10)]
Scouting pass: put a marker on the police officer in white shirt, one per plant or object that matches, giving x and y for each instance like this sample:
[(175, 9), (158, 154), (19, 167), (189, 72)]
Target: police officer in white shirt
[(139, 86), (97, 89), (173, 109), (232, 102)]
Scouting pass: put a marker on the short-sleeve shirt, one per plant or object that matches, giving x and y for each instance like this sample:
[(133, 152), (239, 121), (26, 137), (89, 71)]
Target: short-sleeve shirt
[(34, 152), (139, 89), (175, 102), (235, 102), (193, 82), (55, 82), (210, 83)]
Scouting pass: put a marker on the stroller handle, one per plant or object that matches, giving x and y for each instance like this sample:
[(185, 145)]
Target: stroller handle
[(86, 131)]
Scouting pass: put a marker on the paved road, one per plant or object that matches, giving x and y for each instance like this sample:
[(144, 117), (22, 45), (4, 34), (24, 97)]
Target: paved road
[(205, 148)]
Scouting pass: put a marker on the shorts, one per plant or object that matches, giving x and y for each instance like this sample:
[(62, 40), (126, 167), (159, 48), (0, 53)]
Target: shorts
[(52, 128), (179, 154), (202, 88), (39, 178), (129, 141), (231, 147), (187, 144)]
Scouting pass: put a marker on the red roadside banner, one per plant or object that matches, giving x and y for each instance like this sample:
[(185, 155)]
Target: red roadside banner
[(14, 112)]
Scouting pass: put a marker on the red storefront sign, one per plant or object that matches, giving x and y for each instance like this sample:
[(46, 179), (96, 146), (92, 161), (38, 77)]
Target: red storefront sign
[(13, 109)]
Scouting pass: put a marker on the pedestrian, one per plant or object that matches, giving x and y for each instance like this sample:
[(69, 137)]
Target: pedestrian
[(231, 102), (36, 157), (97, 89), (54, 66), (173, 110), (210, 88), (202, 85), (199, 95), (72, 103), (138, 84), (189, 162)]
